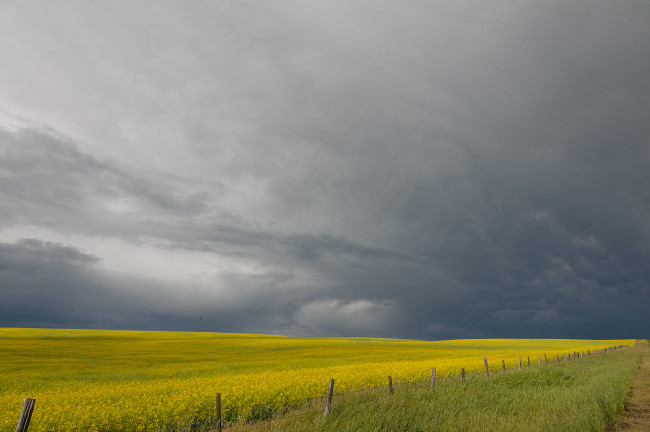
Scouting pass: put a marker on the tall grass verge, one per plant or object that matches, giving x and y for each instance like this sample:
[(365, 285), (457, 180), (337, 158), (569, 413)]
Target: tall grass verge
[(576, 395)]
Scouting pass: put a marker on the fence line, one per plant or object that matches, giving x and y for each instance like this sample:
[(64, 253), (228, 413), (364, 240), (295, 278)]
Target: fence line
[(271, 410)]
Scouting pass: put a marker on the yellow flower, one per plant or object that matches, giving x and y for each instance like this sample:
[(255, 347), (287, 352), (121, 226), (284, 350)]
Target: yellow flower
[(136, 379)]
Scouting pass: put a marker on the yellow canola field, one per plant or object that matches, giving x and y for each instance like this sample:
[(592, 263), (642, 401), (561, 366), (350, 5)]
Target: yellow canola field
[(104, 380)]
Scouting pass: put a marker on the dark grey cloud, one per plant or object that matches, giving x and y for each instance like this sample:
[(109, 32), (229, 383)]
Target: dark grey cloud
[(433, 171), (49, 284), (49, 181)]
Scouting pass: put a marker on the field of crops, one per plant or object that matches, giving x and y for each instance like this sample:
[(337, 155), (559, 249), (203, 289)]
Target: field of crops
[(90, 378)]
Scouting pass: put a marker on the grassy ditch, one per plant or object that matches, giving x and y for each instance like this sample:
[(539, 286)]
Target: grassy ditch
[(636, 416), (575, 395)]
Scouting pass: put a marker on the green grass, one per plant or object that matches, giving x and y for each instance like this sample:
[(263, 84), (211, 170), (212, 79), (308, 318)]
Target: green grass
[(577, 395)]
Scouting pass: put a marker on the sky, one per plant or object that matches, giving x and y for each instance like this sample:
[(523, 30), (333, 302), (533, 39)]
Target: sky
[(424, 170)]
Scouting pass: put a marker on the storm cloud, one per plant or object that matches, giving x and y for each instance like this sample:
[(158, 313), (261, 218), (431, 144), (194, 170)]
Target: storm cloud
[(426, 171)]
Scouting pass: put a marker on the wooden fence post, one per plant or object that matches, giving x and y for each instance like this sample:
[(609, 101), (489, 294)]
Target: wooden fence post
[(390, 385), (25, 415), (545, 360), (539, 360), (328, 404), (519, 363), (433, 378), (462, 374), (503, 362), (487, 371), (558, 357), (218, 412), (528, 361)]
